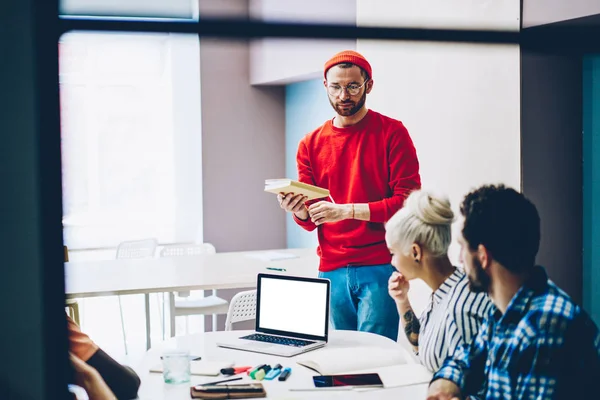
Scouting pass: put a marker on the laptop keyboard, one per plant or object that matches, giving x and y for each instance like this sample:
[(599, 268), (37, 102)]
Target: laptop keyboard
[(278, 340)]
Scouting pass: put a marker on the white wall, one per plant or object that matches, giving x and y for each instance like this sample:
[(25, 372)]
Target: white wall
[(307, 11), (540, 12), (276, 61), (460, 102), (281, 61), (466, 14)]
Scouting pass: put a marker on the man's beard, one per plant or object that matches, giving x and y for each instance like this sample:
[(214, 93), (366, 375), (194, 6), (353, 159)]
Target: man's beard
[(479, 281), (350, 111)]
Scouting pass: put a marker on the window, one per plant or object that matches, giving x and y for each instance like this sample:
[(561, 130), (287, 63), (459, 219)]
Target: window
[(131, 138)]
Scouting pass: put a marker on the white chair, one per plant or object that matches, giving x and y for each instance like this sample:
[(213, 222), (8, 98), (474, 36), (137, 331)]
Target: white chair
[(241, 308), (137, 249), (187, 306)]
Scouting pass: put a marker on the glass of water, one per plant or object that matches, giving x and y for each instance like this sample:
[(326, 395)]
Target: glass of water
[(176, 366)]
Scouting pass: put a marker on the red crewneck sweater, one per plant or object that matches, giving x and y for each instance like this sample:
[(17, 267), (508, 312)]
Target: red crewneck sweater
[(372, 162)]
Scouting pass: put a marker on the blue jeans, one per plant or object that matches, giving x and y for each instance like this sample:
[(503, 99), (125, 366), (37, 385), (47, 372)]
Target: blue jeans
[(360, 300)]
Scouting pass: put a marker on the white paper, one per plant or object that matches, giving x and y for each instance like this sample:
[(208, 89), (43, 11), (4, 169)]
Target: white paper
[(272, 256)]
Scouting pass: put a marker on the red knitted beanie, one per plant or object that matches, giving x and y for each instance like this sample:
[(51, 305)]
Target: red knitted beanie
[(349, 56)]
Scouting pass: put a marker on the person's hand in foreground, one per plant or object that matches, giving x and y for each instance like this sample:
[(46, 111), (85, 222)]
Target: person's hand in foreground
[(89, 379), (443, 389)]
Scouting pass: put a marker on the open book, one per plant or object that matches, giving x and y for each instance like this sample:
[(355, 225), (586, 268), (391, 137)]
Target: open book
[(291, 186), (332, 361)]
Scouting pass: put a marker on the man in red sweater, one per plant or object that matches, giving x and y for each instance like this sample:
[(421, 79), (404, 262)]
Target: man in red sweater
[(369, 164)]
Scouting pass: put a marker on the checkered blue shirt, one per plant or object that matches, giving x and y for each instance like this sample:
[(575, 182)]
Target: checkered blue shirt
[(543, 347)]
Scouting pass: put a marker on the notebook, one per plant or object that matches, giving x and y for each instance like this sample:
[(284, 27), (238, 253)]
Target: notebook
[(334, 361), (201, 367), (291, 186)]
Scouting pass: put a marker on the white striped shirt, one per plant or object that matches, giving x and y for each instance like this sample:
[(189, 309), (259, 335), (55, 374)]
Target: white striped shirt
[(452, 317)]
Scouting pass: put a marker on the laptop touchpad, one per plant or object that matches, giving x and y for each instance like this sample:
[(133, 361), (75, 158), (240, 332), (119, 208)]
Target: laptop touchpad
[(258, 345)]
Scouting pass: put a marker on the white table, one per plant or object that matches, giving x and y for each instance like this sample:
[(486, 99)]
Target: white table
[(232, 270), (153, 387)]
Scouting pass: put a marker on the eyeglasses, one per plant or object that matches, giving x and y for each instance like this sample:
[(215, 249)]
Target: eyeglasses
[(352, 89)]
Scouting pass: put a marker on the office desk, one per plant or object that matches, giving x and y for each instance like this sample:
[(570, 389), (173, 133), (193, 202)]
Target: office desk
[(232, 270), (153, 387)]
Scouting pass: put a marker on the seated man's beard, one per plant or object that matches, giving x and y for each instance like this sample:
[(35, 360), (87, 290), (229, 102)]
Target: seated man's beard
[(479, 281)]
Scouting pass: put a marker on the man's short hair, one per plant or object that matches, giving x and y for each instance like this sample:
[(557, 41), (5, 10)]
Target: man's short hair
[(505, 222)]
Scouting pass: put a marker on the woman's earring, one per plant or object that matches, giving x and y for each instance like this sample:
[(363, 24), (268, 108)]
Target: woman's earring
[(417, 260)]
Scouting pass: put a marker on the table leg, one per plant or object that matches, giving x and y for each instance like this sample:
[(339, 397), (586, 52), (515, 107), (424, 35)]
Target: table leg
[(163, 315), (147, 306), (172, 313)]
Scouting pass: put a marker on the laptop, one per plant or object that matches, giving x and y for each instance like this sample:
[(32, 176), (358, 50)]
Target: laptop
[(292, 315)]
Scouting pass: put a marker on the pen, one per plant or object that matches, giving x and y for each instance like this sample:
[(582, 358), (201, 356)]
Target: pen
[(260, 375), (277, 269), (253, 372), (274, 372), (260, 372), (192, 358), (285, 374), (322, 388), (224, 380), (235, 371)]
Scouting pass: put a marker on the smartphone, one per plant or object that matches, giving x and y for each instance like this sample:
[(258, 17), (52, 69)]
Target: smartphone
[(362, 380)]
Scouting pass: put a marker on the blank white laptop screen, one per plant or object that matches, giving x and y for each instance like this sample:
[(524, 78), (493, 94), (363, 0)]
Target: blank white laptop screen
[(293, 306)]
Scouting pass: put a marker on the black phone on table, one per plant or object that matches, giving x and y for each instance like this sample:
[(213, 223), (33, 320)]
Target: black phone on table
[(362, 380)]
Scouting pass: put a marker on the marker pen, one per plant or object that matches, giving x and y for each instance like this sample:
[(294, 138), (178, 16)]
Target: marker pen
[(251, 372), (274, 372), (266, 368), (259, 375), (285, 374), (234, 370)]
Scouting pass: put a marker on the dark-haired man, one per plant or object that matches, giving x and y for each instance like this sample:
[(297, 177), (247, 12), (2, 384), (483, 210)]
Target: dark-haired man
[(369, 164), (537, 343)]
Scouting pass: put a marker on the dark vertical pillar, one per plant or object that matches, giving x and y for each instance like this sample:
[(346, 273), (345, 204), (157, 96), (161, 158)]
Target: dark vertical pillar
[(33, 335), (551, 160)]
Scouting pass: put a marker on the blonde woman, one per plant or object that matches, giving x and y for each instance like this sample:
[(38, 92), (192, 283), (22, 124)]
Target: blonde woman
[(418, 237)]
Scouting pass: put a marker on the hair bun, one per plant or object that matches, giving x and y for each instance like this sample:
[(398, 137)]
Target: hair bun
[(430, 209)]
